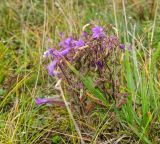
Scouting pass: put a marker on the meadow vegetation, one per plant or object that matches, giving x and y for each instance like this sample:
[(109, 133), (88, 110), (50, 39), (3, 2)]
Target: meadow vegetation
[(29, 27)]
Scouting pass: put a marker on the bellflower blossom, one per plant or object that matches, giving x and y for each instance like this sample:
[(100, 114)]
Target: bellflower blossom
[(79, 43), (40, 101), (49, 52), (122, 46), (100, 65), (97, 32), (57, 54), (51, 68), (64, 52), (66, 44)]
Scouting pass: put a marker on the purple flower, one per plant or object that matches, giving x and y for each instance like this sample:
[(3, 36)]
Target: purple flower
[(66, 44), (51, 68), (68, 40), (49, 52), (79, 43), (59, 54), (122, 46), (64, 52), (40, 101), (100, 65), (97, 32)]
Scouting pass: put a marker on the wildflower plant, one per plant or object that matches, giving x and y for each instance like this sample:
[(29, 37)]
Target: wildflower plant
[(88, 65)]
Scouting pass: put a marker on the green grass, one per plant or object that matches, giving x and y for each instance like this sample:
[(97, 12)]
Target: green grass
[(25, 27)]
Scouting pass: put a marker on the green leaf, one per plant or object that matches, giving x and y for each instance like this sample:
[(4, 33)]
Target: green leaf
[(56, 139)]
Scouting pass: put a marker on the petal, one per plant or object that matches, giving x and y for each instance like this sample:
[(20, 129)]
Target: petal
[(79, 43), (40, 101), (68, 40), (66, 44), (97, 32), (122, 46), (64, 52), (51, 67)]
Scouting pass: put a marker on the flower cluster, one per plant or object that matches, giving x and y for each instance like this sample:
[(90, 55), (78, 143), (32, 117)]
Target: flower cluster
[(66, 46), (95, 54), (71, 46)]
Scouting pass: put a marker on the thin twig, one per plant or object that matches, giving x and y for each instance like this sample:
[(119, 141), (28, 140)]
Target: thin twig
[(58, 87)]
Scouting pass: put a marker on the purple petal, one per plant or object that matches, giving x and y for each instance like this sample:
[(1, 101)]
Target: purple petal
[(40, 101), (97, 32), (66, 44), (64, 52), (100, 65), (122, 46), (79, 43), (68, 40), (49, 52), (51, 68)]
